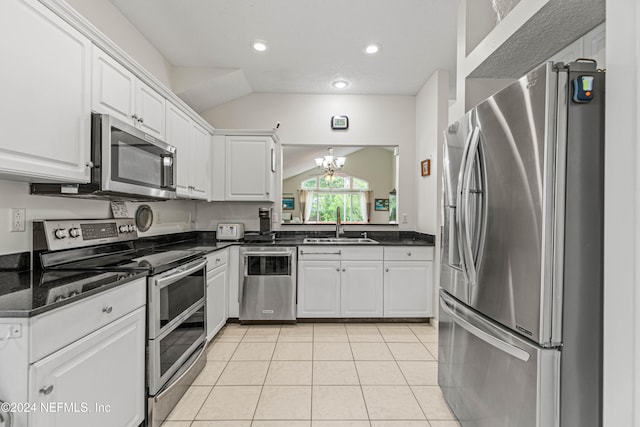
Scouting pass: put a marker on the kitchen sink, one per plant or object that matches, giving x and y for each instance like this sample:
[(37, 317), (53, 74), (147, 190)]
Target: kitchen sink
[(339, 241)]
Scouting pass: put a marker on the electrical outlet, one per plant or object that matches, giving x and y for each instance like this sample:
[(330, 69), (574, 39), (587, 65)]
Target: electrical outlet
[(18, 219), (405, 218)]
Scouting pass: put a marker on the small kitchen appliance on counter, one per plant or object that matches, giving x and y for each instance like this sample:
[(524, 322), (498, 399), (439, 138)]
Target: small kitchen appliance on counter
[(265, 219), (230, 232)]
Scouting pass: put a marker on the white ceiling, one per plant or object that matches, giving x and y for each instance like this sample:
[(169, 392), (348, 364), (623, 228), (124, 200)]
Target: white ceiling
[(311, 43)]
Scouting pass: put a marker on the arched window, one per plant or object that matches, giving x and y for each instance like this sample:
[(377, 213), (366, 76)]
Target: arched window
[(349, 193)]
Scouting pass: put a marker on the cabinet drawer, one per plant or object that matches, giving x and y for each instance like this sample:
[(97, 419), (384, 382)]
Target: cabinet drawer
[(343, 252), (57, 328), (218, 258), (408, 253)]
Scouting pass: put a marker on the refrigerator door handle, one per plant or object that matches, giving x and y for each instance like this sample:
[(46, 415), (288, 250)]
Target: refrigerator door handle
[(484, 336), (459, 219), (465, 191)]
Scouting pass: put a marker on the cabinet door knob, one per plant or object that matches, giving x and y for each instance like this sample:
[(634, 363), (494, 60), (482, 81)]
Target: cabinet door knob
[(217, 259), (344, 269), (89, 164), (408, 253), (108, 309), (337, 269), (46, 390), (134, 117), (141, 120), (386, 269)]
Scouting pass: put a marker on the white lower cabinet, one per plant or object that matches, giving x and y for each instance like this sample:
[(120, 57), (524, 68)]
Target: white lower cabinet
[(339, 282), (98, 379), (408, 287), (361, 289), (357, 281), (319, 289), (216, 296), (82, 364)]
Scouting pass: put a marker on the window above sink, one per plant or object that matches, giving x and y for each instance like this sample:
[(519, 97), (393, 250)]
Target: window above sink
[(364, 188)]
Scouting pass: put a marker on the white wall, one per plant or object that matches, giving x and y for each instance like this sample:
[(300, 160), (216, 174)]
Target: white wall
[(169, 217), (431, 122), (305, 119), (108, 19), (432, 106), (622, 217)]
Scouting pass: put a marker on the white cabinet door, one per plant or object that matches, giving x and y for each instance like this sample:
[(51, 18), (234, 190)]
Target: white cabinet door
[(118, 92), (45, 81), (217, 280), (113, 89), (150, 108), (103, 372), (200, 177), (361, 289), (319, 289), (178, 134), (408, 289), (233, 309), (249, 168)]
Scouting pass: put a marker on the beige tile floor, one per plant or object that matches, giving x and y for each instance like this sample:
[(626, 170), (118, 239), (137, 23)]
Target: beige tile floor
[(318, 375)]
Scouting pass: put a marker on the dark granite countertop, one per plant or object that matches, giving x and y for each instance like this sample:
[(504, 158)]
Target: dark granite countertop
[(29, 293), (25, 293)]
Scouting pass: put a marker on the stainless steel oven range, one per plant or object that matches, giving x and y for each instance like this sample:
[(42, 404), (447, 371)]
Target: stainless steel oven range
[(176, 283)]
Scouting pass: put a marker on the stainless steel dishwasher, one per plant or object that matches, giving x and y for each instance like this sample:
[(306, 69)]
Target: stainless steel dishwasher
[(267, 284)]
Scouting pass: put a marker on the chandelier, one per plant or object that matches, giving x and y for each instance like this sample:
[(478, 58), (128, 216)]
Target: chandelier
[(330, 165)]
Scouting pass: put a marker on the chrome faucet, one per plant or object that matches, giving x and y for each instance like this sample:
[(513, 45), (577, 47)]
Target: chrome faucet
[(338, 230)]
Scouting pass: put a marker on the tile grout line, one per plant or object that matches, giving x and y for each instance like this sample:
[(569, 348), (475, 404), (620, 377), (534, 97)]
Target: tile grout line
[(217, 379), (405, 378), (366, 407), (255, 410)]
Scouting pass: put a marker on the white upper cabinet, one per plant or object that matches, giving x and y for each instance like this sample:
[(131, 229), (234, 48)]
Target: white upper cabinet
[(192, 142), (244, 166), (200, 170), (118, 92), (44, 115)]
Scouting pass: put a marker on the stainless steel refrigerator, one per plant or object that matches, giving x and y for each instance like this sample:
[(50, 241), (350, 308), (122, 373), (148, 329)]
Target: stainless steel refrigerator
[(520, 326)]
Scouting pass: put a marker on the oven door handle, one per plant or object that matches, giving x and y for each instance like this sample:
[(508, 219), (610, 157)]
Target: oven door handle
[(267, 254), (180, 273)]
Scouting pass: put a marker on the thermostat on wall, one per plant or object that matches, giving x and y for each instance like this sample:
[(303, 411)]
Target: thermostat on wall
[(340, 122)]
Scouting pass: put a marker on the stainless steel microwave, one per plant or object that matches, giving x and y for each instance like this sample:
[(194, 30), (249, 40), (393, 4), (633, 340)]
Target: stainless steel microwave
[(126, 164)]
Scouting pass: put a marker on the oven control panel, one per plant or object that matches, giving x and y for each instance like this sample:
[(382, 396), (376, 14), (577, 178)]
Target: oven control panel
[(67, 234)]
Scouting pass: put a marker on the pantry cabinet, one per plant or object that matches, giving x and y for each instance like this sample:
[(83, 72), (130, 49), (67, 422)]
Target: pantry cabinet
[(45, 77), (193, 143), (118, 92), (245, 164)]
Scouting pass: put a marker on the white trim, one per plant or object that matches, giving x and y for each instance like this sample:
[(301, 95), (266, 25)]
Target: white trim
[(80, 23), (621, 379)]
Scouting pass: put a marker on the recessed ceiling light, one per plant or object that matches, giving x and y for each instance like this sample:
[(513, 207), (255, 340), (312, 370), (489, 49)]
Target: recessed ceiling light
[(340, 84), (371, 49), (259, 45)]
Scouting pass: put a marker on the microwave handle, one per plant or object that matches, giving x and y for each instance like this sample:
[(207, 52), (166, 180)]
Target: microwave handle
[(167, 172)]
